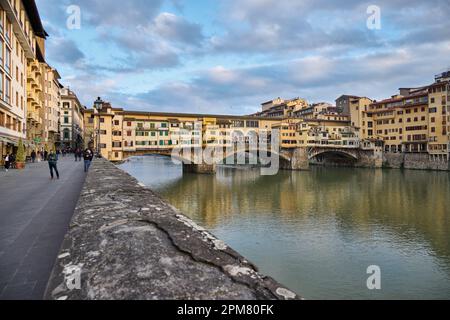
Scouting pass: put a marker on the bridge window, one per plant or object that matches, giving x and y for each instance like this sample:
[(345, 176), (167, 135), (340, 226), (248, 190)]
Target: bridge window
[(238, 124), (252, 124)]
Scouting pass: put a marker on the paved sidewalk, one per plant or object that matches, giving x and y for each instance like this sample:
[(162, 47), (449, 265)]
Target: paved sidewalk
[(35, 213)]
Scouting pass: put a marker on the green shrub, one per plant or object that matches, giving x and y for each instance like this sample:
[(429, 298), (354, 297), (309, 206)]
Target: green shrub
[(21, 152)]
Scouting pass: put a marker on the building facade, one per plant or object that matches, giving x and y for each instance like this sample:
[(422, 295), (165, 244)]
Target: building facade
[(71, 120), (279, 108), (415, 121), (52, 107), (29, 86), (19, 27), (343, 103)]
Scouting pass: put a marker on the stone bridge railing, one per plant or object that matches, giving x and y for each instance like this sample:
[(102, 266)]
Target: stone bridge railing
[(125, 242)]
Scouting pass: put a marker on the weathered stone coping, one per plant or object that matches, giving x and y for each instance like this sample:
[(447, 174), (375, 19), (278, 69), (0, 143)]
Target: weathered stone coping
[(130, 244)]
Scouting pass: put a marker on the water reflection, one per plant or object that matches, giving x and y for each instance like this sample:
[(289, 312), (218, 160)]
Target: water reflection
[(318, 231)]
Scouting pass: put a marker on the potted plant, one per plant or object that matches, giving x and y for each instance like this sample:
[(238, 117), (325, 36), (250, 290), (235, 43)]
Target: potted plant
[(21, 158)]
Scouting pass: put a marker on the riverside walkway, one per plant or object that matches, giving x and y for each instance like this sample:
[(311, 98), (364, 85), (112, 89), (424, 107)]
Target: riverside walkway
[(35, 213)]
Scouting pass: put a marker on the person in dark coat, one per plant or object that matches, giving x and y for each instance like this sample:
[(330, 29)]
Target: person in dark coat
[(33, 156), (12, 161), (88, 157), (53, 164)]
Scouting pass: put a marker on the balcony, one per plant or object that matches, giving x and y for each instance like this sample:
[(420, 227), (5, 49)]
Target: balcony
[(34, 117), (31, 96), (34, 65), (30, 77)]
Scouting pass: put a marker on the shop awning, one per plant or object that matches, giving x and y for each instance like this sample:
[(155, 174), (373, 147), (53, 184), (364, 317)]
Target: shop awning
[(12, 141), (15, 142)]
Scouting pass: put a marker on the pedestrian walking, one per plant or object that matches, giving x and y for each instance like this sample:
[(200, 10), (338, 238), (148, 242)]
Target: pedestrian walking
[(12, 161), (53, 164), (45, 155), (33, 156), (7, 163), (88, 156)]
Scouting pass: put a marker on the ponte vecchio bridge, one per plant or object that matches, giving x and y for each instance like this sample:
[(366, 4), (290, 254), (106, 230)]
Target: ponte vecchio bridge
[(201, 142)]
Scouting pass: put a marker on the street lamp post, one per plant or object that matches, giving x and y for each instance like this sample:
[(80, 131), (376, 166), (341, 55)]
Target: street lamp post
[(98, 105)]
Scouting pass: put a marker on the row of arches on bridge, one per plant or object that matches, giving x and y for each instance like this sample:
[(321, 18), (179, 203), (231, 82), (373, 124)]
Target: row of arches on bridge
[(265, 155)]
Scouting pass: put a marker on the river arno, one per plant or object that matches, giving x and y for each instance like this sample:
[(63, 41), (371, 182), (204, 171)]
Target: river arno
[(318, 231)]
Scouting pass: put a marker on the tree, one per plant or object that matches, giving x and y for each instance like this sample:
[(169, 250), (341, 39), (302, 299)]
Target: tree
[(21, 152)]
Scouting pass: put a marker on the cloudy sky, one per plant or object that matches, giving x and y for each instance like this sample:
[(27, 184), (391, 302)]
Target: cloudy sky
[(228, 56)]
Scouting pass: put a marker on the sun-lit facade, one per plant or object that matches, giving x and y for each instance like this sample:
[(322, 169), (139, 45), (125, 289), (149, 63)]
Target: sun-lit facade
[(415, 121), (19, 27)]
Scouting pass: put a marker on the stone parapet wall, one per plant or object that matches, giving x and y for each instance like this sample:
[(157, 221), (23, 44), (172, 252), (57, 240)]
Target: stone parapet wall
[(128, 243)]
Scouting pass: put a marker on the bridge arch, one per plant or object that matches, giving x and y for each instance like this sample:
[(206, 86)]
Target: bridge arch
[(341, 153), (258, 152), (334, 157)]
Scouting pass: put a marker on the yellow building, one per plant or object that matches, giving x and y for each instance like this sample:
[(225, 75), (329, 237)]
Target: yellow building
[(358, 107), (20, 24), (52, 107), (416, 121), (439, 119)]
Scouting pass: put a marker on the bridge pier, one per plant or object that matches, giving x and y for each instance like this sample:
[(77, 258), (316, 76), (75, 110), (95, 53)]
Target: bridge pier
[(299, 160), (199, 168)]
